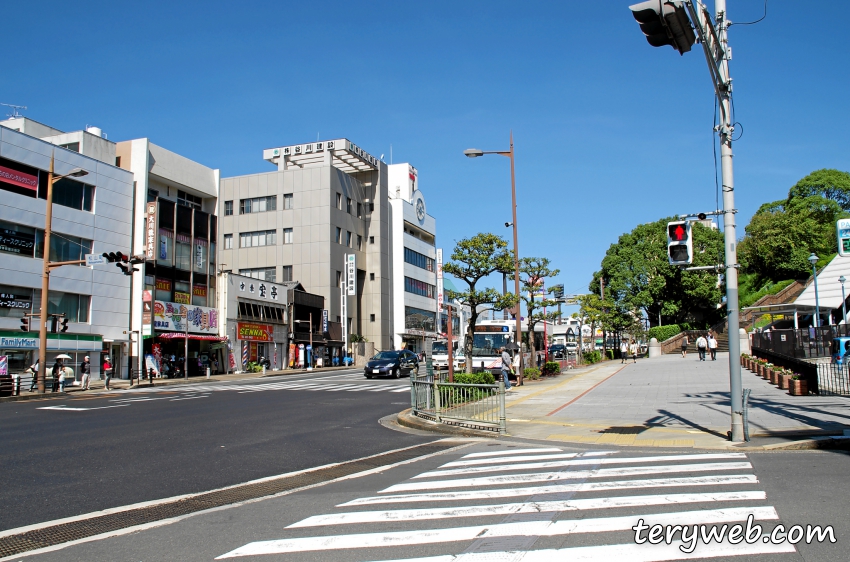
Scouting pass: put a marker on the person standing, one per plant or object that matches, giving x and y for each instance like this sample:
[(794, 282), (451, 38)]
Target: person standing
[(107, 372), (633, 350), (712, 346), (506, 368), (34, 381), (624, 351), (702, 344), (57, 370), (685, 343), (85, 369)]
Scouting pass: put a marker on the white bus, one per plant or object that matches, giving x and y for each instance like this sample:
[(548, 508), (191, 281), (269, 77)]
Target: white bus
[(491, 335)]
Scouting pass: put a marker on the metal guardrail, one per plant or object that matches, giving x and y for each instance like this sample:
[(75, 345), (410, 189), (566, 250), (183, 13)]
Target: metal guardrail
[(807, 343), (478, 406), (834, 379)]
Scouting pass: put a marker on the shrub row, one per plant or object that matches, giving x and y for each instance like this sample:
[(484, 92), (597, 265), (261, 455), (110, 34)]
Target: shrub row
[(662, 333)]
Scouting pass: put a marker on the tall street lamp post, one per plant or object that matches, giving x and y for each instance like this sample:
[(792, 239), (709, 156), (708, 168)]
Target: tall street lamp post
[(47, 265), (813, 259), (843, 300), (475, 153)]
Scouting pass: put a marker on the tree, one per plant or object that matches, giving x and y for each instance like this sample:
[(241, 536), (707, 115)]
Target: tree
[(472, 260), (828, 183), (533, 275)]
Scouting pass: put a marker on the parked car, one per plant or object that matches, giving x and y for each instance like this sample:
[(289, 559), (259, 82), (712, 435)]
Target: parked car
[(557, 351), (572, 347), (392, 364)]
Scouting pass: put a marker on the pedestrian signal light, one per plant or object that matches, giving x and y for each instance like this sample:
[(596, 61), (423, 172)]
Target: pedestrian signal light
[(680, 249), (25, 324), (64, 325)]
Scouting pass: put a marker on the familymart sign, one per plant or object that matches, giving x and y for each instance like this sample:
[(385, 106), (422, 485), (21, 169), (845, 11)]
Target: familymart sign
[(18, 343)]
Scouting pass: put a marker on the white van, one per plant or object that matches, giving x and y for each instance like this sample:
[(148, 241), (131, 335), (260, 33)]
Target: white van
[(440, 356)]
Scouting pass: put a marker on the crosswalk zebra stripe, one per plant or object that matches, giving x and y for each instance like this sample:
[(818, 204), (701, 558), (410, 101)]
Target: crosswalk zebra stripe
[(572, 475), (475, 462), (400, 390), (513, 452), (614, 552), (527, 507), (558, 489), (530, 528), (558, 464)]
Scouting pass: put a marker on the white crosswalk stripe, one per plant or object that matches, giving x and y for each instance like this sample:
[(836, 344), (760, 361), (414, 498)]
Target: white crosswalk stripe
[(326, 384), (568, 499)]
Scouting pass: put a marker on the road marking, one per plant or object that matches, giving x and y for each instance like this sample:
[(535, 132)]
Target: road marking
[(572, 475), (527, 507), (524, 458), (558, 464), (190, 397), (78, 409), (512, 452), (532, 528), (558, 489)]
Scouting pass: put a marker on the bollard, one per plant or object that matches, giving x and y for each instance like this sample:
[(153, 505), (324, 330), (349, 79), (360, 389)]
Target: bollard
[(264, 369), (208, 372), (16, 390)]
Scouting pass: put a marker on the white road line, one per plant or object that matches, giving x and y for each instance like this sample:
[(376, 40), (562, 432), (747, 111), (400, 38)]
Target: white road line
[(513, 452), (401, 390), (517, 459), (189, 398), (526, 507), (572, 475), (615, 552), (70, 409), (558, 464), (527, 529), (558, 489)]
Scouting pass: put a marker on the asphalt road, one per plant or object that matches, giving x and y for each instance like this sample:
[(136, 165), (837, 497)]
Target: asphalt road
[(97, 451)]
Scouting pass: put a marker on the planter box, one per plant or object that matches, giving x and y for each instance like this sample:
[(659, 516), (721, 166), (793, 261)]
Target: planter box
[(783, 381), (774, 377), (798, 387)]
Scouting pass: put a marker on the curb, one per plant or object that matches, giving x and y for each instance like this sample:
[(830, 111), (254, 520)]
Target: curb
[(407, 419)]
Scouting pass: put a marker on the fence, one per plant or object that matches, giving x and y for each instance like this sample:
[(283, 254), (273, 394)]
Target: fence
[(809, 371), (806, 343), (834, 379), (479, 406)]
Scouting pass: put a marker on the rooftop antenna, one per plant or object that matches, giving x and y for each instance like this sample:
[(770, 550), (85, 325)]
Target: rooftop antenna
[(15, 108), (317, 137), (391, 154)]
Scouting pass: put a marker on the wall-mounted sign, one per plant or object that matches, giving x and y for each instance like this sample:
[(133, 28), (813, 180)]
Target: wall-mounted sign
[(260, 289), (20, 179), (172, 317), (150, 231), (199, 290), (10, 300), (163, 285), (249, 331), (351, 274), (182, 298), (324, 321), (15, 242), (19, 343)]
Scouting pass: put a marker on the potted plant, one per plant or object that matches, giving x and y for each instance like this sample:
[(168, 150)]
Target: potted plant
[(784, 376), (768, 368), (797, 386), (774, 375)]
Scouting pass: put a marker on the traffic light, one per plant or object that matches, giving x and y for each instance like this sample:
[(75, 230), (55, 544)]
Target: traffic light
[(54, 324), (680, 246), (64, 325), (665, 22), (113, 257), (126, 264), (25, 324)]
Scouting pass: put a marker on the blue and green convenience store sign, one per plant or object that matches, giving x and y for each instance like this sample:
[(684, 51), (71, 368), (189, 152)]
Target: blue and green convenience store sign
[(55, 342)]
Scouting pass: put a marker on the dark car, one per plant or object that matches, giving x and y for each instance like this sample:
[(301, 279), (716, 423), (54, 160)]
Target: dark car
[(558, 351), (392, 364)]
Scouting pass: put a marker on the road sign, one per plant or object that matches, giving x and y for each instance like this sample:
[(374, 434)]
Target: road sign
[(95, 259), (842, 228)]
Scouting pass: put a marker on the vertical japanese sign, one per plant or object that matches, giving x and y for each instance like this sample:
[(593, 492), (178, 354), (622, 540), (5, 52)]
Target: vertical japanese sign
[(440, 297), (351, 274), (150, 231), (324, 321)]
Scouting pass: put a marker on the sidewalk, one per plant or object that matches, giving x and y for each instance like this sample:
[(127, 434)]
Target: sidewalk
[(669, 402)]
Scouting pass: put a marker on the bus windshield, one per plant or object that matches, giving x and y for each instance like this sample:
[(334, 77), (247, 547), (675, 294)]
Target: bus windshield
[(439, 348), (487, 345)]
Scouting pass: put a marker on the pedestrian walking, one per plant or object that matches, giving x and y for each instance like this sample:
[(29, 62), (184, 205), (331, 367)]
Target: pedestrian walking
[(85, 369), (712, 346), (107, 372), (633, 351), (57, 369), (506, 368), (702, 344), (34, 381), (685, 343), (624, 351), (515, 369), (62, 379)]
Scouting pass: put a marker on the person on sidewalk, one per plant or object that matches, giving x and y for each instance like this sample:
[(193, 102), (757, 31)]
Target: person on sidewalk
[(57, 370), (34, 381), (62, 379), (506, 368), (702, 344), (624, 351), (685, 343), (712, 346), (85, 369), (107, 372), (633, 351), (515, 369)]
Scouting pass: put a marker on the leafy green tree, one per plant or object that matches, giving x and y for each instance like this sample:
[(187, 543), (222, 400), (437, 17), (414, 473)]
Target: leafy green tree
[(828, 183), (533, 275), (472, 260)]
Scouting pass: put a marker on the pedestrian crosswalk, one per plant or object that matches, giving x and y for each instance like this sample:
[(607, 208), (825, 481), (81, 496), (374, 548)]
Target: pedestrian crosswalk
[(335, 384), (544, 503)]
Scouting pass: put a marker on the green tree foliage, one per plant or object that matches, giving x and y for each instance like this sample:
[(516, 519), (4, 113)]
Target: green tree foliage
[(638, 276), (782, 235), (472, 260), (533, 274), (828, 183)]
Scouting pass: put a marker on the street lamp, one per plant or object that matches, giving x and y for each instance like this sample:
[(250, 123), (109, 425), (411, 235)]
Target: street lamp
[(843, 300), (813, 259), (47, 265), (310, 350), (475, 153)]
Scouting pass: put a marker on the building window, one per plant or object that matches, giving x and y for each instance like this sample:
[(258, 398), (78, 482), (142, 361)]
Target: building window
[(339, 278), (359, 211), (338, 235), (258, 204), (287, 273), (419, 260), (257, 238), (74, 146), (228, 241), (287, 236), (228, 208), (287, 201), (347, 239), (418, 287), (371, 277), (359, 242), (339, 201), (348, 205), (418, 319), (371, 318), (118, 162), (371, 239), (74, 307), (70, 193), (62, 247), (261, 273), (188, 200)]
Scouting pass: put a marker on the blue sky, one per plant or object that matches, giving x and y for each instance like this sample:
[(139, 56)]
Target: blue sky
[(609, 132)]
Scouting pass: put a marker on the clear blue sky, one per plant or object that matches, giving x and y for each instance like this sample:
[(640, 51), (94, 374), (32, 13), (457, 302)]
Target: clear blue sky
[(609, 132)]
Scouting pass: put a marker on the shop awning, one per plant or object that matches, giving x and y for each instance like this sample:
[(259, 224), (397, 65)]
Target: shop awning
[(181, 335)]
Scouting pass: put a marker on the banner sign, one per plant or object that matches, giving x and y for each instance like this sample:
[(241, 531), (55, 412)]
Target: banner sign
[(182, 298), (249, 331), (150, 231), (4, 365), (16, 242), (440, 296), (20, 179), (10, 300), (199, 290), (324, 321), (172, 317), (163, 285), (351, 274)]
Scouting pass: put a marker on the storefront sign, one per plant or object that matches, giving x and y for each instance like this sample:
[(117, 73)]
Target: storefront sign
[(259, 288), (172, 317), (150, 231), (351, 278), (4, 365), (249, 331), (163, 285), (15, 242), (147, 312), (19, 343), (199, 290), (440, 296), (200, 253), (9, 300), (324, 321), (20, 179), (182, 298)]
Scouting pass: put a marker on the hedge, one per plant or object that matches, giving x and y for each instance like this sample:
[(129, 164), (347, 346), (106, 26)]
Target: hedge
[(484, 377), (662, 333), (591, 357)]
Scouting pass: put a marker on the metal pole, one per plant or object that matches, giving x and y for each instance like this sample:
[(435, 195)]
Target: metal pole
[(504, 292), (516, 257), (729, 236), (451, 344), (310, 351), (45, 283), (186, 348), (843, 302), (817, 301)]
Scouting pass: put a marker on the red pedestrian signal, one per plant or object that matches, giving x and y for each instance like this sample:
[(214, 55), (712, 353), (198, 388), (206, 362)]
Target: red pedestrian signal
[(680, 249), (677, 232)]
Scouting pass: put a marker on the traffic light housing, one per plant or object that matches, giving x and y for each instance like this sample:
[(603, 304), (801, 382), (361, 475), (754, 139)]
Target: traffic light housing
[(126, 264), (113, 257), (665, 22), (25, 324), (63, 325), (680, 245), (54, 324)]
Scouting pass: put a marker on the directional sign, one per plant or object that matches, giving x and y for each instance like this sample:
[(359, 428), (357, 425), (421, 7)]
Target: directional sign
[(95, 259), (842, 228)]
